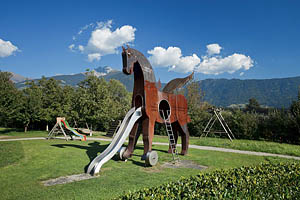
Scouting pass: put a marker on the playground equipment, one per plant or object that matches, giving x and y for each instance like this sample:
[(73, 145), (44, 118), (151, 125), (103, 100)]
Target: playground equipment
[(58, 128), (128, 122), (86, 130), (162, 107), (217, 115), (113, 128), (153, 106)]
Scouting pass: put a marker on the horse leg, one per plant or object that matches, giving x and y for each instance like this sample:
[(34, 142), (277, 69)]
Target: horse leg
[(137, 135), (132, 137), (185, 135), (175, 132), (148, 133)]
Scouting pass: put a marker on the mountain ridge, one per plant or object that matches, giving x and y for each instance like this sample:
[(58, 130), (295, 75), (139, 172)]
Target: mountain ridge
[(274, 92)]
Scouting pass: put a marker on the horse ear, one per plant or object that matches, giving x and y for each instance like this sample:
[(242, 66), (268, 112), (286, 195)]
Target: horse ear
[(127, 46), (123, 49)]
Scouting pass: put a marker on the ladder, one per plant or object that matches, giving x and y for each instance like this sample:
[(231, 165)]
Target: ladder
[(171, 137)]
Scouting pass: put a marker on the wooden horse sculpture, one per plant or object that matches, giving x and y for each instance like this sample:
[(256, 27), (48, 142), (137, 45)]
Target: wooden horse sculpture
[(146, 94)]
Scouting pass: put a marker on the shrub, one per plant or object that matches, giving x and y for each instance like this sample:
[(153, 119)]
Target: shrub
[(265, 181), (199, 119)]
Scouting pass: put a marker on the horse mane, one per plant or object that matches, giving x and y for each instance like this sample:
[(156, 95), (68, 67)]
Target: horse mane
[(145, 65)]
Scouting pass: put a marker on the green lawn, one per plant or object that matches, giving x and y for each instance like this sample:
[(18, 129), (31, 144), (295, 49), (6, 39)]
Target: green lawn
[(249, 145), (19, 133), (10, 153), (38, 160)]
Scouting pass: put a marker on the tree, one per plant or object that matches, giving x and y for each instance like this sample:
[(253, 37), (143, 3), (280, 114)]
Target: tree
[(295, 110), (31, 105), (94, 102), (197, 109), (9, 100), (52, 99), (121, 99), (195, 95)]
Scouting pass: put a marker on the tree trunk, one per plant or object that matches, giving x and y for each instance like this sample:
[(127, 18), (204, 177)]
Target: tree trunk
[(26, 127)]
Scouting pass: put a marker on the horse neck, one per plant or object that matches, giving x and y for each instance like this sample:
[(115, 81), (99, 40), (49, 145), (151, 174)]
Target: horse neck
[(146, 69)]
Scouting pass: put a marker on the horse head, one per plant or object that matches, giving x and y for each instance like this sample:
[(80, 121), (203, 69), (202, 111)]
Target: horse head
[(129, 58)]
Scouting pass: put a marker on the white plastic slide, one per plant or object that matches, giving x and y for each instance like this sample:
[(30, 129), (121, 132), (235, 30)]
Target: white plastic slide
[(127, 124)]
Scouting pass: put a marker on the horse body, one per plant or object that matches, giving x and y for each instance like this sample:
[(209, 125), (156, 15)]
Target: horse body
[(146, 94)]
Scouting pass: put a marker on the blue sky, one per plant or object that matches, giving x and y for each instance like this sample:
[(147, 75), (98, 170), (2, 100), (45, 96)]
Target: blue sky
[(251, 39)]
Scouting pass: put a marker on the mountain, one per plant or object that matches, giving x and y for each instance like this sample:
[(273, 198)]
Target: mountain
[(127, 80), (277, 93), (74, 79), (16, 78)]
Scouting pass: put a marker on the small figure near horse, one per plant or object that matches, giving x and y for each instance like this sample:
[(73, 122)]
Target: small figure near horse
[(156, 105)]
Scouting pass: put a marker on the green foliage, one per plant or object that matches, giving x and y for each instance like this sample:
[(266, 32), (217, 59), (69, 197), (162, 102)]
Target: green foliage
[(276, 93), (31, 105), (100, 102), (278, 125), (295, 110), (270, 181), (94, 101), (199, 119), (243, 125), (9, 100), (194, 95)]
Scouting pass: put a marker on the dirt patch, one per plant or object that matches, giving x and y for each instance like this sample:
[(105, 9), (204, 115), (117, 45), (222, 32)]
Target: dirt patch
[(184, 164), (67, 179), (153, 169), (4, 137), (180, 164)]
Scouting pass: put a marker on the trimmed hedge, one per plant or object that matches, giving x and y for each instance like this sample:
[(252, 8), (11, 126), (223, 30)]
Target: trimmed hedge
[(265, 181)]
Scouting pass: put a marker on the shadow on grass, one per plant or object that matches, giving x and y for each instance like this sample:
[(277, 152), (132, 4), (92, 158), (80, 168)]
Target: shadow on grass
[(9, 130), (153, 149), (92, 149)]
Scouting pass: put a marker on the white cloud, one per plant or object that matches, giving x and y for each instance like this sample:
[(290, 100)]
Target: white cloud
[(165, 57), (104, 40), (107, 24), (84, 28), (94, 56), (213, 49), (218, 65), (7, 48), (71, 47), (172, 58), (187, 64), (81, 48)]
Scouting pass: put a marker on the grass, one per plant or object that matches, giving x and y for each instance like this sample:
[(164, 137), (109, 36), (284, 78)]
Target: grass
[(10, 153), (19, 133), (7, 133), (44, 160), (248, 145)]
